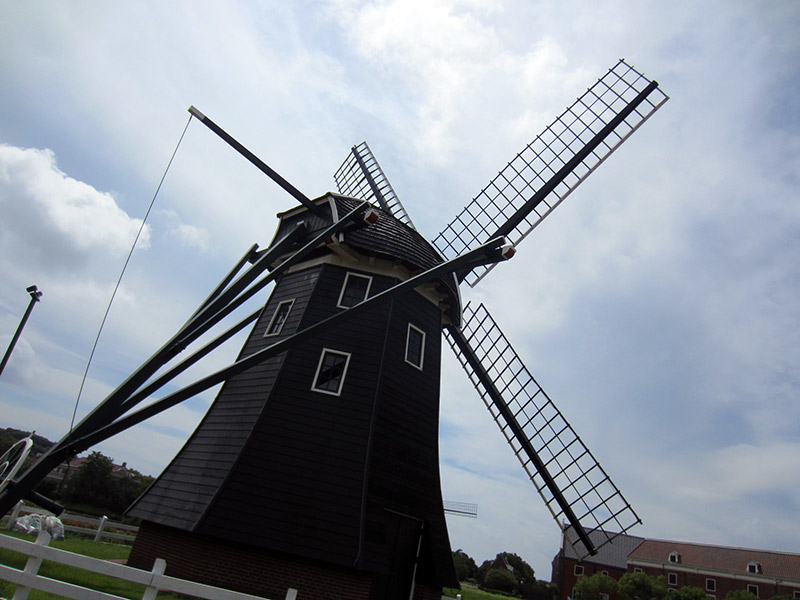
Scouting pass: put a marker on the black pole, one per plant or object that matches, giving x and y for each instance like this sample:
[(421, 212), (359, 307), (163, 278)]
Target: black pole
[(35, 296), (257, 162)]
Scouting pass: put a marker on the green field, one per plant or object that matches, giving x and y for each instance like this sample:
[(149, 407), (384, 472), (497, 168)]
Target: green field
[(471, 593)]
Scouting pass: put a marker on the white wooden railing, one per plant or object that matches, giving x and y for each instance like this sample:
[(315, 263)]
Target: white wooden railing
[(153, 581)]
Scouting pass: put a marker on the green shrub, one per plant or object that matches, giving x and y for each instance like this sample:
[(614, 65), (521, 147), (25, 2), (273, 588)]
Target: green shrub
[(501, 580)]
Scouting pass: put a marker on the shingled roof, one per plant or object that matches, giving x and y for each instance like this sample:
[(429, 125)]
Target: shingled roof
[(613, 554), (777, 565), (389, 239)]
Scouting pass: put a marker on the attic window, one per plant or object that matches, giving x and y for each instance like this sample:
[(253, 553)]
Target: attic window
[(331, 370), (279, 318), (355, 290), (754, 567), (674, 557), (578, 570), (415, 346)]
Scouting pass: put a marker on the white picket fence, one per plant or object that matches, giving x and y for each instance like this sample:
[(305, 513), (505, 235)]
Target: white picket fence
[(98, 529), (153, 581)]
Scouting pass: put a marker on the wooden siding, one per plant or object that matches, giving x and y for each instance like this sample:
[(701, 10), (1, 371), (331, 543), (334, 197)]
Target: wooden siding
[(184, 491), (289, 469)]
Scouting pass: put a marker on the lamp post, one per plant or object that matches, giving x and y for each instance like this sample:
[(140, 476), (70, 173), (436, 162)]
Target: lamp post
[(35, 296)]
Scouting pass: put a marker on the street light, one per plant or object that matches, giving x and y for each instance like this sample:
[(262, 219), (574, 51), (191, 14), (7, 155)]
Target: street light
[(35, 296)]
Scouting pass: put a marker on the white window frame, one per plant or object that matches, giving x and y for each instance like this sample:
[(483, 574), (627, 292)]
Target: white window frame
[(672, 579), (322, 355), (796, 594), (422, 349), (344, 287), (578, 570), (711, 584), (675, 557), (754, 567), (267, 332), (753, 589)]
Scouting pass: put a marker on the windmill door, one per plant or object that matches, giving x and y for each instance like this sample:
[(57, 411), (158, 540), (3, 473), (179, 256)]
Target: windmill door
[(403, 537)]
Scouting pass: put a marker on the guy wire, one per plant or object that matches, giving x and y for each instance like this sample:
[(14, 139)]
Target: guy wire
[(119, 280)]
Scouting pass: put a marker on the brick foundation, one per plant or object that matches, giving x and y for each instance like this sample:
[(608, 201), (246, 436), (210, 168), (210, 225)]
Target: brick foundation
[(250, 569)]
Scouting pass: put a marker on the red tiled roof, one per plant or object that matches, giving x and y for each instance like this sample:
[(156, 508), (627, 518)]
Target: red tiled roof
[(778, 565)]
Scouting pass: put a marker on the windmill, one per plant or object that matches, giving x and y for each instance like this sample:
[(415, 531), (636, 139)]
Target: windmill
[(316, 467)]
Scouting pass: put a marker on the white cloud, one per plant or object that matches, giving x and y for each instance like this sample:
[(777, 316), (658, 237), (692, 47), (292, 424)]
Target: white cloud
[(57, 215)]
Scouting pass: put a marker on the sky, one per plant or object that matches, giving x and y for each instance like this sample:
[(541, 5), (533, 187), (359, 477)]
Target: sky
[(657, 306)]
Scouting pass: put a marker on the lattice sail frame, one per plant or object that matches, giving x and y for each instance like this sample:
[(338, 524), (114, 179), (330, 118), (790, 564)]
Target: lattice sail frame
[(461, 509), (596, 501), (540, 161), (361, 176)]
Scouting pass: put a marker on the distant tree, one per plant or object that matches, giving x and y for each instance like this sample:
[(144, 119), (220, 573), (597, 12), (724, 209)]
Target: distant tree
[(483, 570), (740, 595), (538, 590), (688, 592), (640, 586), (92, 483), (465, 565), (96, 485), (593, 587), (501, 580), (6, 441), (522, 571), (129, 486)]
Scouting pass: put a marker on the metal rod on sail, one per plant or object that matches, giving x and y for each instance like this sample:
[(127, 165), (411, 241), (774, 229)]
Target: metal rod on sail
[(519, 435), (260, 164)]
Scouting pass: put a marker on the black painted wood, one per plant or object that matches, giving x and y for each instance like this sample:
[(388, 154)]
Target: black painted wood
[(281, 466)]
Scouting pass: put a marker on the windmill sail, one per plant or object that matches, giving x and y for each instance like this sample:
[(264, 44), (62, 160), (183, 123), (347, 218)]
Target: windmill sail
[(548, 169), (361, 176), (461, 509), (569, 479)]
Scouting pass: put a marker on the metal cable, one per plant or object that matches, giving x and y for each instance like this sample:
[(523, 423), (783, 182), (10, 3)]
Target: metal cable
[(119, 280)]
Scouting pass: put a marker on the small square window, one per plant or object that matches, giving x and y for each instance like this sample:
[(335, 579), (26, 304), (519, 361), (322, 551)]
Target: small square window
[(415, 346), (754, 567), (331, 371), (711, 585), (279, 318), (637, 569), (354, 290), (578, 570), (672, 578), (753, 589), (605, 573), (674, 557)]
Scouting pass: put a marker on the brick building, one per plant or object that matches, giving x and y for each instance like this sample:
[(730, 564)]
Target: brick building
[(719, 569), (715, 569)]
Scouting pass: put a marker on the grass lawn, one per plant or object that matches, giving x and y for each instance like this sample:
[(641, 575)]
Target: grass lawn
[(470, 593), (78, 545)]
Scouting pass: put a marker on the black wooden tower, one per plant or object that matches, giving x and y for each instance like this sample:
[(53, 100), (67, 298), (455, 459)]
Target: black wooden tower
[(316, 468)]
